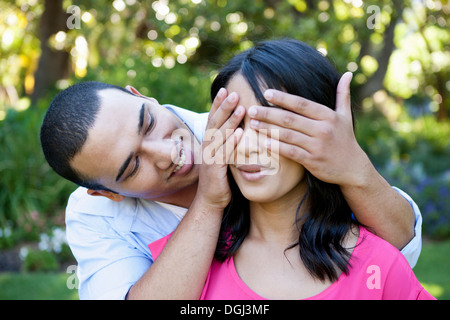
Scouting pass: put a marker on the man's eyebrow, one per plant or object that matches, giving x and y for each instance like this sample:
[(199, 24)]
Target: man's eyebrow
[(124, 166), (127, 162), (141, 118)]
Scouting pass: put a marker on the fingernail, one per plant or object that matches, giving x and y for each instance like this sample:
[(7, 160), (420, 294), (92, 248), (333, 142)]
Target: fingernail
[(252, 111), (232, 97), (268, 143), (268, 94), (221, 92), (254, 123), (238, 111)]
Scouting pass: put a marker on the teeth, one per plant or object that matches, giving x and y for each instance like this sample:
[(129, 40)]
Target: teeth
[(181, 162)]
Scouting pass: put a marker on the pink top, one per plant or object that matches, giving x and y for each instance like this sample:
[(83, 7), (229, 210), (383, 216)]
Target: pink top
[(378, 271)]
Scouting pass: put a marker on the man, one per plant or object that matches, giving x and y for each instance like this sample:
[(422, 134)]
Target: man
[(133, 151)]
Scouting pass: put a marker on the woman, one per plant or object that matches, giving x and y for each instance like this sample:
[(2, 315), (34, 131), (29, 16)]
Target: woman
[(285, 233)]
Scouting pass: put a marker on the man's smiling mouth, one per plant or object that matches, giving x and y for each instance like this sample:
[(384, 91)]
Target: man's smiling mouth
[(181, 160)]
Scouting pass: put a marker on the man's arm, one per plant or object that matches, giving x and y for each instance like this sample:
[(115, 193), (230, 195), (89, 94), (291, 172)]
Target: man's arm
[(323, 141), (181, 269), (377, 205)]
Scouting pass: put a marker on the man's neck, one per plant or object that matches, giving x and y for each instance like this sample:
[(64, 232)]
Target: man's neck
[(182, 198)]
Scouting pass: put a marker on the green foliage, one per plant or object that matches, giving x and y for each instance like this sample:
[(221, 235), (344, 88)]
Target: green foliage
[(19, 47), (32, 194), (431, 194), (47, 259), (52, 252), (40, 260), (413, 157), (183, 86), (421, 141)]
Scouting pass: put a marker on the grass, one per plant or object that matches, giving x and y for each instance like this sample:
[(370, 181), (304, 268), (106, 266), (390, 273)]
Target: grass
[(35, 286), (432, 270)]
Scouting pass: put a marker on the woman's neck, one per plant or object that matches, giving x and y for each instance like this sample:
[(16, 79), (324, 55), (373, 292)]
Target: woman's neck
[(275, 221)]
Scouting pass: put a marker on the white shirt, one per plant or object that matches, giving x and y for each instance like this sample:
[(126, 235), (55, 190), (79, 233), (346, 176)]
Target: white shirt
[(109, 239)]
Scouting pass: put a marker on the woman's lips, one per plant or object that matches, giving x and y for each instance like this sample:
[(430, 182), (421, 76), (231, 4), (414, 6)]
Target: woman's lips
[(252, 172)]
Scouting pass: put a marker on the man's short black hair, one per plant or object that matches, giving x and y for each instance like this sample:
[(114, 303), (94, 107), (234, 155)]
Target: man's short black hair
[(66, 126)]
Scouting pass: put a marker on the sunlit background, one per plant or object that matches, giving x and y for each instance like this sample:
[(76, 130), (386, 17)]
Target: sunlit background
[(397, 50)]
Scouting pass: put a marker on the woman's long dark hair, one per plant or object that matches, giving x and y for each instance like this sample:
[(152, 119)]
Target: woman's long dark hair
[(296, 68)]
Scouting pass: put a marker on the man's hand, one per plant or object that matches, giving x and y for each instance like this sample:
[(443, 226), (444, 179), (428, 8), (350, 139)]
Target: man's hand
[(221, 137), (319, 138), (323, 141)]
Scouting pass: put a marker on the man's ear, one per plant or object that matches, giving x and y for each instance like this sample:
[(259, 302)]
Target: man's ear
[(108, 194), (134, 90)]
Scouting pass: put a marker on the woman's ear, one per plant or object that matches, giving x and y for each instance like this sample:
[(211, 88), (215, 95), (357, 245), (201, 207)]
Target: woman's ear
[(108, 194)]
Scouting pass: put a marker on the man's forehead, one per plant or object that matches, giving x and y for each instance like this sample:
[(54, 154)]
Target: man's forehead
[(111, 95)]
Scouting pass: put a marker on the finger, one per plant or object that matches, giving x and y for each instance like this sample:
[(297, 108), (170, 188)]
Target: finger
[(293, 152), (221, 148), (288, 136), (218, 100), (230, 124), (271, 118), (227, 150), (223, 111), (219, 136), (297, 104), (343, 102)]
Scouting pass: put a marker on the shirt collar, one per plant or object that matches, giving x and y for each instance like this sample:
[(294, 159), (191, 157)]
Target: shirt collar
[(196, 122)]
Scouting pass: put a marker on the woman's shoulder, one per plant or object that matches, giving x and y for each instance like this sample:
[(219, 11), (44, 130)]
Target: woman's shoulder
[(372, 239), (377, 270), (373, 255), (371, 248)]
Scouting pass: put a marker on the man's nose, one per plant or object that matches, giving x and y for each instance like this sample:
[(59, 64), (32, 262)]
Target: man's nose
[(161, 152)]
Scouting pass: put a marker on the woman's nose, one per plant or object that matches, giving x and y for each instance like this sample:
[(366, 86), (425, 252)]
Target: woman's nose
[(249, 146), (252, 148)]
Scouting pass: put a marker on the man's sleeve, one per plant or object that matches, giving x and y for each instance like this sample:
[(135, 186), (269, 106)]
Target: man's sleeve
[(108, 265), (412, 250)]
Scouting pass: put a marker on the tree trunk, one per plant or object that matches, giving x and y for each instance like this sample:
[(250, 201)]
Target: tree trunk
[(375, 82), (53, 65)]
